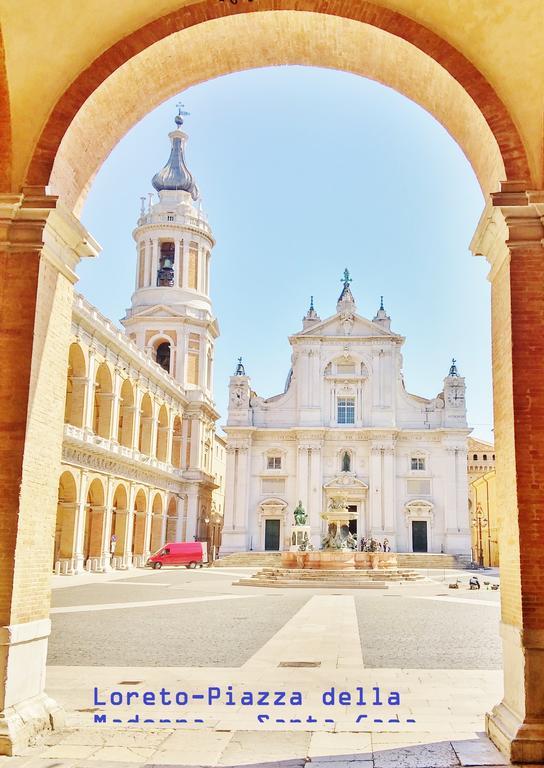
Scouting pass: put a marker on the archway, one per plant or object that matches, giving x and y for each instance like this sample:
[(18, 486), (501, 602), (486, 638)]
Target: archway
[(145, 440), (95, 520), (410, 57), (76, 387), (120, 528), (103, 402), (66, 526), (157, 536), (140, 525), (172, 520), (125, 427)]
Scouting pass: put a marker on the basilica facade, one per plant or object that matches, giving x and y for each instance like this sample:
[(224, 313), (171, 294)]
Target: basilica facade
[(141, 461), (346, 428)]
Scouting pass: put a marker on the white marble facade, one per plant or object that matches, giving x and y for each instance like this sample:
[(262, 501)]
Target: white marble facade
[(346, 426)]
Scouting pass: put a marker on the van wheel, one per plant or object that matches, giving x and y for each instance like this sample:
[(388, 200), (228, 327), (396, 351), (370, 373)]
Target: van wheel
[(156, 566), (200, 565), (192, 565)]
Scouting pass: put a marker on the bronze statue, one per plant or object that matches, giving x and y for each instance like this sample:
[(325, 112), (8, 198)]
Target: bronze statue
[(301, 518)]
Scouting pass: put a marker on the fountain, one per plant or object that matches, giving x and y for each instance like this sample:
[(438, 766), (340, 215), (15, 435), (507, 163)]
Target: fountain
[(338, 547)]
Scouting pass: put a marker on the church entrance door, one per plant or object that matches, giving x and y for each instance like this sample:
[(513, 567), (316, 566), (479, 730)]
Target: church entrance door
[(419, 536), (272, 535)]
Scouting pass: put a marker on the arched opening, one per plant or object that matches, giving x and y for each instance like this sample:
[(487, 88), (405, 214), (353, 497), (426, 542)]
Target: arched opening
[(66, 525), (103, 402), (171, 521), (176, 443), (162, 434), (95, 519), (162, 355), (76, 387), (471, 121), (157, 537), (165, 274), (146, 425), (125, 427), (120, 526), (140, 513)]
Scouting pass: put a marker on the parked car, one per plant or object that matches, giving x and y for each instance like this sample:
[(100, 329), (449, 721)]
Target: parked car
[(187, 553)]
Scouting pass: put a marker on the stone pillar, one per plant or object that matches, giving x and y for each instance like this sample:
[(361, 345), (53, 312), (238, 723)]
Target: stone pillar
[(88, 415), (184, 441), (40, 246), (192, 511), (390, 495), (315, 501), (511, 236), (196, 443), (179, 518), (376, 493)]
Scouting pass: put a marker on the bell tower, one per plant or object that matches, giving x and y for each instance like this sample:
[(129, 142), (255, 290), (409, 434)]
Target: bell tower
[(171, 314)]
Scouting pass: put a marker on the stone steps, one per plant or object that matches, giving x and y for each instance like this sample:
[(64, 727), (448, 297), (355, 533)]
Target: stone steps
[(248, 560), (307, 584), (408, 560), (316, 578)]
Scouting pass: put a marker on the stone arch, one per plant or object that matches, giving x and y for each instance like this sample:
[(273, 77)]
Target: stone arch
[(66, 524), (146, 425), (76, 386), (177, 442), (120, 521), (157, 536), (125, 426), (376, 42), (171, 519), (95, 518), (140, 513), (103, 401), (163, 427)]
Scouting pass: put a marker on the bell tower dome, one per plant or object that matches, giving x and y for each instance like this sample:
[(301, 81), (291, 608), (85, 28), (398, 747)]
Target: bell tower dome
[(171, 314)]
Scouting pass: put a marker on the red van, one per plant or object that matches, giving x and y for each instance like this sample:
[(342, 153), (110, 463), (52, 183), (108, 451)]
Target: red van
[(187, 553)]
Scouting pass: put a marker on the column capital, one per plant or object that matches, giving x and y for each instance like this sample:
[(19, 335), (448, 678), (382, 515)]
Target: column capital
[(35, 221), (512, 220)]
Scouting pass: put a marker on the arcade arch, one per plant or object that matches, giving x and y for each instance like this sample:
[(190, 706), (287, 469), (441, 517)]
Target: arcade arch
[(76, 387)]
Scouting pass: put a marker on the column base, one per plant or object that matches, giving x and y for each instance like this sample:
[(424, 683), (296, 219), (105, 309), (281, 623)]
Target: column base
[(519, 742), (26, 709), (20, 724)]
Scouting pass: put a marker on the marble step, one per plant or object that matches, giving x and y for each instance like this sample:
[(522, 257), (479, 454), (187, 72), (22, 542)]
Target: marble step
[(324, 583)]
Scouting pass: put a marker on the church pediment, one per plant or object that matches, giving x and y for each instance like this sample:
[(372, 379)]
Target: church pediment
[(346, 325), (345, 482), (159, 310)]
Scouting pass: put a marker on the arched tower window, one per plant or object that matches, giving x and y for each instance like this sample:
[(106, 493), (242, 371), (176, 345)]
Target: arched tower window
[(346, 462), (165, 273), (162, 355)]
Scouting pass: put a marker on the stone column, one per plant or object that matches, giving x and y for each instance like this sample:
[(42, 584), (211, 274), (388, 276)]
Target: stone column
[(376, 497), (315, 501), (196, 442), (88, 415), (40, 246), (192, 511), (184, 440), (511, 236), (179, 518), (390, 495)]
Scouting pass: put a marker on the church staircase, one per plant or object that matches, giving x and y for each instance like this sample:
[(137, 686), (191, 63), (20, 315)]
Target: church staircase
[(410, 560)]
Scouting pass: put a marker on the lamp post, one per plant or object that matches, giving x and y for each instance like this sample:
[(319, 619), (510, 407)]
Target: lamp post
[(479, 521)]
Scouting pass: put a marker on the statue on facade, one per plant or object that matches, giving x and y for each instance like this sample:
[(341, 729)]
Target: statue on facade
[(301, 518)]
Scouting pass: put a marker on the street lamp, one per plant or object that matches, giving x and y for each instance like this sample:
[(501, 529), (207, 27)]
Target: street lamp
[(479, 521)]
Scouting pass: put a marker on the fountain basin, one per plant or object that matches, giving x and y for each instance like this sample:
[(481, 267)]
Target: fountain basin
[(343, 559)]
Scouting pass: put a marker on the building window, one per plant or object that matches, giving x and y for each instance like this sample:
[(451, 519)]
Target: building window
[(493, 457), (273, 462), (346, 410), (346, 462), (475, 457), (418, 463), (484, 457), (170, 217)]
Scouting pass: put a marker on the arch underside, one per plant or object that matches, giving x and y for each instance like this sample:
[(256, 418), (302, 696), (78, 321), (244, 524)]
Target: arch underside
[(145, 69)]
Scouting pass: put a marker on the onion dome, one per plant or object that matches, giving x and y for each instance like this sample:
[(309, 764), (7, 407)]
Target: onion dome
[(175, 175)]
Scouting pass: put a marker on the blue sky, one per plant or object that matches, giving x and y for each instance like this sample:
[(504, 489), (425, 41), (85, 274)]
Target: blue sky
[(305, 171)]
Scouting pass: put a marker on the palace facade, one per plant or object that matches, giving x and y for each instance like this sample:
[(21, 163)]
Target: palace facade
[(141, 462), (345, 427)]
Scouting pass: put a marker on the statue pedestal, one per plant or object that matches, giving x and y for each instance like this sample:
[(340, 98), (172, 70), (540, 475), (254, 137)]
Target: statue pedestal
[(299, 534)]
